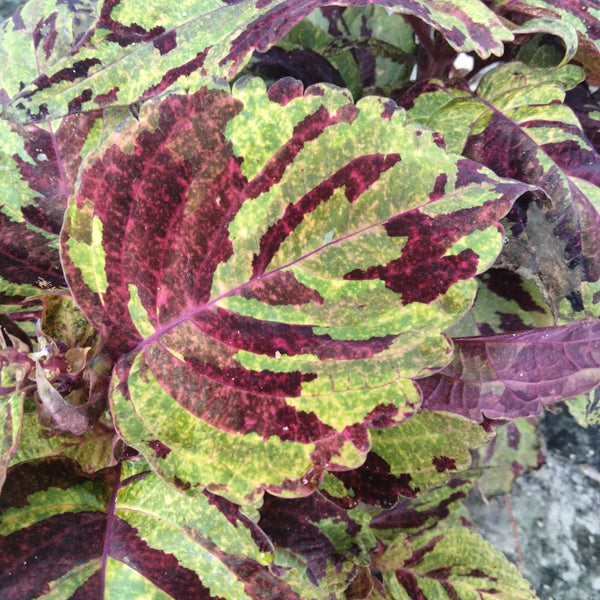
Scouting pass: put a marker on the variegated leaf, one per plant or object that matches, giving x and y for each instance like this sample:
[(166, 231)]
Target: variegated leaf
[(281, 264), (518, 125), (124, 532), (206, 37), (584, 17)]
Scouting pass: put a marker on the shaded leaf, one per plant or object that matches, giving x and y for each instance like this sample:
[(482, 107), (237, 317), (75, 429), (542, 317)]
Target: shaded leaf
[(204, 37), (517, 125), (437, 507), (510, 376), (561, 29), (11, 418), (514, 450), (583, 17), (38, 167), (328, 264), (585, 409), (93, 451), (328, 542), (370, 48), (505, 302)]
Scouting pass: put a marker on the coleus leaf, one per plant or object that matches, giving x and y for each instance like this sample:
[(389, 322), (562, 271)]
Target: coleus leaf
[(39, 167), (585, 409), (425, 551), (510, 376), (517, 124), (207, 37), (505, 302), (37, 36), (280, 264), (74, 534), (406, 460), (370, 47), (515, 449), (320, 538), (584, 17), (11, 417), (452, 564)]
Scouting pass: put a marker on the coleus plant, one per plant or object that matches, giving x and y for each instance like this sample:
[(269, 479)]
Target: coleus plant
[(271, 272)]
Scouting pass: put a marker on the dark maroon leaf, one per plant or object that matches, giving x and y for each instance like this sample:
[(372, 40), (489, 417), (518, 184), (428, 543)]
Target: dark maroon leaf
[(513, 375)]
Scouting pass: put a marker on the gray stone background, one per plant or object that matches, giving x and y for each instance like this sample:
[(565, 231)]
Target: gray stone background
[(556, 508)]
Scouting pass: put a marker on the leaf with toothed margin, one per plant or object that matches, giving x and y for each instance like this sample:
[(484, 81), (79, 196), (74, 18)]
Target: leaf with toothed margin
[(584, 17), (124, 531), (450, 564), (208, 37), (518, 125), (318, 538), (423, 452), (425, 550), (513, 375), (278, 266)]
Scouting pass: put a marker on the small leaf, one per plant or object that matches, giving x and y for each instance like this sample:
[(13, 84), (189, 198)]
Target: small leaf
[(93, 451), (510, 376), (514, 450), (11, 418), (561, 29), (453, 564), (583, 17)]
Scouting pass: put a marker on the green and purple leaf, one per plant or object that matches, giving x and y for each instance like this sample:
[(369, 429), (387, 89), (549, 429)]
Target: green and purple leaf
[(517, 125), (204, 37), (451, 564), (279, 285), (514, 450), (513, 375), (584, 17), (407, 460), (124, 531)]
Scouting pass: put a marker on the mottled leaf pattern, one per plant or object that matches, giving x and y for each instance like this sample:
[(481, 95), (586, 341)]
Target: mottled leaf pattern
[(125, 529), (517, 125), (584, 17), (510, 376), (412, 568), (291, 285), (38, 170), (274, 287), (407, 460), (515, 449), (359, 48), (208, 37)]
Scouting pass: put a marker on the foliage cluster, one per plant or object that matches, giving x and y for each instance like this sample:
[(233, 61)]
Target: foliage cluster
[(272, 274)]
